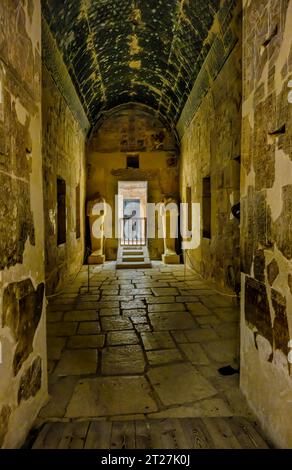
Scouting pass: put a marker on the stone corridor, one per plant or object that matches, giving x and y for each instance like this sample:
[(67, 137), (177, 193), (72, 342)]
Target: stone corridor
[(143, 344)]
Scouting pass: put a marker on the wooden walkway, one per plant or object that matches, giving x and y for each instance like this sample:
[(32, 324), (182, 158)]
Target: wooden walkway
[(197, 433)]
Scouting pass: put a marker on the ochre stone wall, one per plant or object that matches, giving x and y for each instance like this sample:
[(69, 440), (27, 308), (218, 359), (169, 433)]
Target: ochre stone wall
[(210, 147), (63, 157), (23, 377), (266, 207), (132, 131)]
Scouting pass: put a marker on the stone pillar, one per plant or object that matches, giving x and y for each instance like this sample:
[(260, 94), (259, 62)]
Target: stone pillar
[(96, 211), (169, 256)]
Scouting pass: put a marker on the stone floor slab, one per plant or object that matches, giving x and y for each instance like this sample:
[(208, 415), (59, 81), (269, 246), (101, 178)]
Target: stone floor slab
[(165, 356), (157, 340), (86, 342), (115, 324), (110, 396), (165, 321), (179, 384), (122, 360), (194, 353), (80, 315), (77, 362), (89, 328), (120, 338)]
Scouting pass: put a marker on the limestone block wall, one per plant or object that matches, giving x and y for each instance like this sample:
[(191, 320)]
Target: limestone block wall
[(64, 157), (266, 228), (210, 147), (132, 131), (23, 377)]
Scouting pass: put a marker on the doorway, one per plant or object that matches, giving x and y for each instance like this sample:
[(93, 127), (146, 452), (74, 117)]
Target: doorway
[(132, 213)]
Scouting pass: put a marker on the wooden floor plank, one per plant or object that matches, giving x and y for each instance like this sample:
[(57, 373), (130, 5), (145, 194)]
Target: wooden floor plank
[(143, 436), (99, 435), (123, 435)]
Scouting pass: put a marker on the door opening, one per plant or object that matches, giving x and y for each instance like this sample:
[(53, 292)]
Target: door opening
[(133, 213)]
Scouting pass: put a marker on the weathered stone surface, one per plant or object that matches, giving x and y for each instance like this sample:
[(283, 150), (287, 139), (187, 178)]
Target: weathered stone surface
[(4, 422), (115, 324), (190, 386), (121, 360), (77, 362), (212, 407), (273, 271), (86, 341), (280, 326), (257, 310), (31, 381), (158, 358), (157, 340), (195, 354), (118, 338), (88, 328), (55, 346), (22, 310), (172, 321), (80, 315), (110, 396), (62, 328)]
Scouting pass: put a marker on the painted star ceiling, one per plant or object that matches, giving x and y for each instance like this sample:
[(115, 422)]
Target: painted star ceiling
[(144, 51)]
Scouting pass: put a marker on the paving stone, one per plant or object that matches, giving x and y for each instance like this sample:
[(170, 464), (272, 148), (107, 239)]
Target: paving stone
[(60, 394), (223, 351), (211, 408), (228, 330), (110, 396), (201, 335), (115, 324), (189, 299), (179, 336), (157, 340), (164, 299), (165, 291), (115, 298), (228, 314), (119, 338), (139, 320), (197, 308), (166, 308), (166, 356), (135, 312), (108, 304), (172, 321), (140, 328), (121, 360), (194, 353), (109, 312), (145, 291), (208, 320), (61, 329), (54, 316), (89, 328), (86, 341), (188, 292), (81, 315), (134, 304), (77, 362), (55, 346), (179, 384)]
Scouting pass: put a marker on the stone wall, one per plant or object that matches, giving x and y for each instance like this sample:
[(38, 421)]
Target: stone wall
[(63, 157), (266, 229), (132, 131), (23, 382), (210, 147)]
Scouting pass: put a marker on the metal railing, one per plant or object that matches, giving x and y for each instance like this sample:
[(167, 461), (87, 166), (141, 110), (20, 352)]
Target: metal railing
[(133, 231)]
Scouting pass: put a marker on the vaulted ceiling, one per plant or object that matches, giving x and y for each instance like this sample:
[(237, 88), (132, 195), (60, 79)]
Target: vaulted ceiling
[(143, 51)]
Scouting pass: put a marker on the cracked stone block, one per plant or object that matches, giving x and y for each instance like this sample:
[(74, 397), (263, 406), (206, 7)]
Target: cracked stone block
[(134, 304), (55, 346), (211, 408), (119, 338), (109, 312), (172, 321), (174, 307), (201, 335), (80, 315), (62, 329), (88, 328), (158, 291), (60, 394), (156, 358), (115, 324), (110, 396), (190, 385), (195, 353), (77, 362), (86, 341), (152, 341), (121, 360)]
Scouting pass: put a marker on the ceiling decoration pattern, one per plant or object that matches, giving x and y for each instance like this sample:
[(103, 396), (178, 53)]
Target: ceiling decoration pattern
[(142, 51)]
